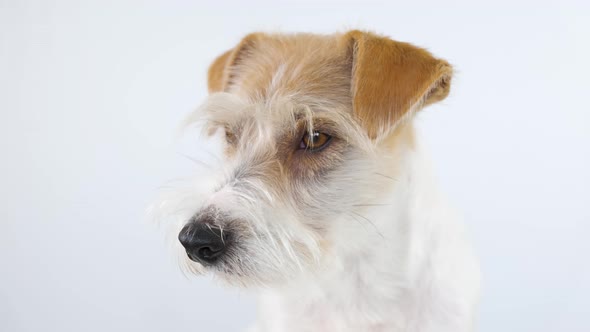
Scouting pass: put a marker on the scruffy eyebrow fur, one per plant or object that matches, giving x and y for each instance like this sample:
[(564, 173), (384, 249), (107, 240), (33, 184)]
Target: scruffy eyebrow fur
[(227, 111)]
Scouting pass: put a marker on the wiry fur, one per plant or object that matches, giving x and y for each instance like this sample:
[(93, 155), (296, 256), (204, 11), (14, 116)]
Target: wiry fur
[(352, 238)]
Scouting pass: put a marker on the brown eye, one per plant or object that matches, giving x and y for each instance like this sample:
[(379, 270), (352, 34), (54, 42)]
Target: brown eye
[(230, 137), (314, 141)]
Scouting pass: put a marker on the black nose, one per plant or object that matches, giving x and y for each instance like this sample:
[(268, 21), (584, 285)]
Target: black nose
[(203, 243)]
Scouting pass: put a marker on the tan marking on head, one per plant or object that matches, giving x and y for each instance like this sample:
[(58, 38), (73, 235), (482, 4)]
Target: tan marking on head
[(216, 73), (220, 72), (403, 136), (305, 66), (375, 78)]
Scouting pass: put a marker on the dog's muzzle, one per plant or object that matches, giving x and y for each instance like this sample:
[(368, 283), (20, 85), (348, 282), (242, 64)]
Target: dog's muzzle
[(204, 243)]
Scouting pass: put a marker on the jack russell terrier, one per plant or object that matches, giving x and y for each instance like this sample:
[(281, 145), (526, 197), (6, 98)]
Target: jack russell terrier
[(324, 203)]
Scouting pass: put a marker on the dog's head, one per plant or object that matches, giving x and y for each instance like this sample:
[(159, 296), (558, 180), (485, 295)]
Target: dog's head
[(315, 128)]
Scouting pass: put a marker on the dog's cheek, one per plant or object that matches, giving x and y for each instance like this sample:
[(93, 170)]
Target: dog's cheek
[(312, 181)]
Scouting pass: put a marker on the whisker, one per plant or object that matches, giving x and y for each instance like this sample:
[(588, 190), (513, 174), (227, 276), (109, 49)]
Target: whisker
[(370, 222), (212, 155), (196, 161), (386, 176), (358, 221)]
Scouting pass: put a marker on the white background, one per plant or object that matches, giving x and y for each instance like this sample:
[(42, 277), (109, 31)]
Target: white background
[(91, 93)]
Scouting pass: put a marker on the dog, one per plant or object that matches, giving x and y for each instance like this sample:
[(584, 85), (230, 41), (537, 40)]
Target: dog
[(323, 202)]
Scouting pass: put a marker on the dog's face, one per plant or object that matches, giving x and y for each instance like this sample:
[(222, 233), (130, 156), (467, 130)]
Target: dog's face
[(313, 127)]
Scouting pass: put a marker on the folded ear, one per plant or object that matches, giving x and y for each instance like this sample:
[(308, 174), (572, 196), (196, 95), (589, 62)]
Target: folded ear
[(216, 73), (390, 79), (223, 69)]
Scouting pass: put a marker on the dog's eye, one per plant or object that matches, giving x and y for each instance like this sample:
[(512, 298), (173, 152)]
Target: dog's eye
[(230, 137), (314, 141)]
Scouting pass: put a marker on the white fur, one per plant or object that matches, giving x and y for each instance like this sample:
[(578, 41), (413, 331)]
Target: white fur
[(418, 275), (391, 255)]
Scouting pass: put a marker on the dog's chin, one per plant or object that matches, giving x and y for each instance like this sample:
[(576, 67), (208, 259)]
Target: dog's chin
[(190, 268), (231, 274)]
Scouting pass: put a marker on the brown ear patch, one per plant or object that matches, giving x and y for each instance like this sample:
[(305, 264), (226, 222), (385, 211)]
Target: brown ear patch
[(390, 78), (216, 73), (222, 71)]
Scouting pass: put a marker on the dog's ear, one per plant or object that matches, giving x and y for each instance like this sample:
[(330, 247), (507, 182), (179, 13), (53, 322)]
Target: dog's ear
[(390, 79), (223, 69), (216, 73)]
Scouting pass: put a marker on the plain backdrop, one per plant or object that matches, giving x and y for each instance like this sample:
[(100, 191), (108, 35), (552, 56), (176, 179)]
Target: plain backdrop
[(92, 92)]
